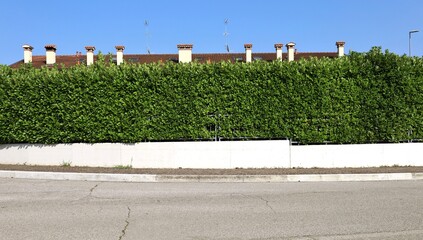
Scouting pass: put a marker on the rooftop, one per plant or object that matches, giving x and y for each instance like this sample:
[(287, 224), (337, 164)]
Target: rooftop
[(71, 60)]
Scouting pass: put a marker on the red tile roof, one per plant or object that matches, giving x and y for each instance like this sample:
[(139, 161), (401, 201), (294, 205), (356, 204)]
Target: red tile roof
[(278, 45), (50, 47), (71, 60), (248, 45), (184, 46)]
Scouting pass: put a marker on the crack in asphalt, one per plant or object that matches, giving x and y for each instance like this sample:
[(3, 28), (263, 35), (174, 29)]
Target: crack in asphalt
[(92, 189), (261, 199), (90, 193), (267, 204), (126, 225)]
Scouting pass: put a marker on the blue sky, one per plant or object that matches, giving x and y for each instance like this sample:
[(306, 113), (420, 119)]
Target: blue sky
[(314, 25)]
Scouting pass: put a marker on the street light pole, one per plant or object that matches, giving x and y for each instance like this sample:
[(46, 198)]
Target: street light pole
[(409, 41)]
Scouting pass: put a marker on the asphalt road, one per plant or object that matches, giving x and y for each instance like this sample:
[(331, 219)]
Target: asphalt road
[(38, 209)]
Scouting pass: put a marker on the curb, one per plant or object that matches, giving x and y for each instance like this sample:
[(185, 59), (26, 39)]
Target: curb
[(153, 178)]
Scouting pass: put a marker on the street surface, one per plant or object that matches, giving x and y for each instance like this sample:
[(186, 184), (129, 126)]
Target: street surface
[(40, 209)]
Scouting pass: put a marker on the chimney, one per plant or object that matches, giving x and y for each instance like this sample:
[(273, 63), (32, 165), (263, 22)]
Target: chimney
[(278, 47), (50, 54), (291, 51), (248, 52), (119, 54), (27, 53), (90, 54), (185, 53), (341, 48)]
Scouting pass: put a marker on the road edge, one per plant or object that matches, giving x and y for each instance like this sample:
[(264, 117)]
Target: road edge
[(157, 178)]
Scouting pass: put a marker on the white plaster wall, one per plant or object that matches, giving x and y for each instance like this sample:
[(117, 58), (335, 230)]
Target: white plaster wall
[(291, 56), (231, 154), (27, 56), (357, 155), (291, 51), (243, 154), (279, 54), (185, 55), (90, 58), (119, 57), (50, 57), (341, 51), (248, 55)]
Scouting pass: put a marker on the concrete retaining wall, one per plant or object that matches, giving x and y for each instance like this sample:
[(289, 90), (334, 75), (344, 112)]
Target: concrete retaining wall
[(357, 155), (241, 154)]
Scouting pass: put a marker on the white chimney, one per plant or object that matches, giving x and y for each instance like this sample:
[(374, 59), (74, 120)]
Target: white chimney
[(185, 53), (50, 54), (27, 53), (291, 51), (278, 47), (248, 52), (341, 48), (90, 54), (119, 54)]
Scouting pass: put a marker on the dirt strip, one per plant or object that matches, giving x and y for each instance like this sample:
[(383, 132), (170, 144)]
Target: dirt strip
[(241, 171)]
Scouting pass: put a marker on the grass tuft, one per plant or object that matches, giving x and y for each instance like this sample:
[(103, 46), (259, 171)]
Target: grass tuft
[(123, 166), (66, 164)]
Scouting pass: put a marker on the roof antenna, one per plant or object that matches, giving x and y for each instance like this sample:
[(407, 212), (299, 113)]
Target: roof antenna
[(226, 35), (147, 36)]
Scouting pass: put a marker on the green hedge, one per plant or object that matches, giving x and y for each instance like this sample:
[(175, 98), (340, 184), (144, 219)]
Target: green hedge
[(361, 98)]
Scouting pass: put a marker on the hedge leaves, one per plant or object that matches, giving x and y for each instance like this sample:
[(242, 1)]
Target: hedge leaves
[(361, 98)]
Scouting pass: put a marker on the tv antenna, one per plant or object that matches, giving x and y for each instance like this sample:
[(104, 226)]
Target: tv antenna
[(147, 35), (226, 34)]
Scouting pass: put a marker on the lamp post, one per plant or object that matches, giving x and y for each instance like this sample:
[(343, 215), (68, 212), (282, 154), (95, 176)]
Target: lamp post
[(409, 41)]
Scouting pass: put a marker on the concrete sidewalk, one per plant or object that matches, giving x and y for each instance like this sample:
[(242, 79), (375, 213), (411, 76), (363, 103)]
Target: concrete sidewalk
[(162, 178)]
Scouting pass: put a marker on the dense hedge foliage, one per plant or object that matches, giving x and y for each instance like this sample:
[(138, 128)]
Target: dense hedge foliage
[(364, 97)]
